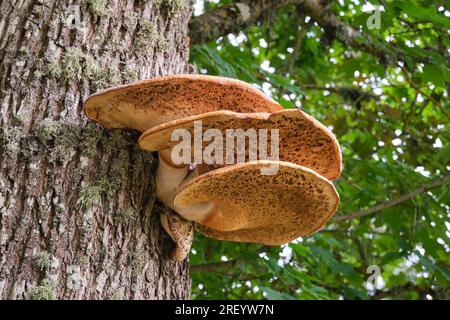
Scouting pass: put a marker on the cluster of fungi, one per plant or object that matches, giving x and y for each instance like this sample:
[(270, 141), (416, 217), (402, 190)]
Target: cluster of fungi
[(232, 202)]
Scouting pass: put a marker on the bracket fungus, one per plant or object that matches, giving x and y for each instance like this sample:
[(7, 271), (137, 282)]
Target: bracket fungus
[(247, 206), (148, 103), (228, 201), (302, 139)]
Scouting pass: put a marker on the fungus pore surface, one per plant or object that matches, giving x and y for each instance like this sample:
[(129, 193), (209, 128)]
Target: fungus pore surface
[(302, 139), (268, 209)]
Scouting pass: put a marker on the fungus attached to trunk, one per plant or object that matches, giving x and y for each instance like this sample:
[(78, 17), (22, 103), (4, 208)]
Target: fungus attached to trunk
[(228, 200), (146, 104)]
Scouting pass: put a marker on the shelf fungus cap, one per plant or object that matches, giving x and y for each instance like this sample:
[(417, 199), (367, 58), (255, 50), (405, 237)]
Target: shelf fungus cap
[(145, 104), (302, 139), (267, 209)]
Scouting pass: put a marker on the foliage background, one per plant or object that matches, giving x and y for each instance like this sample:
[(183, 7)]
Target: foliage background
[(392, 121)]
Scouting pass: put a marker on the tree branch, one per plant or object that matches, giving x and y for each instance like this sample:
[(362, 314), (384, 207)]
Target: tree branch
[(350, 36), (240, 14), (353, 93), (294, 56), (398, 291), (390, 203), (296, 50), (230, 18), (214, 266), (429, 96)]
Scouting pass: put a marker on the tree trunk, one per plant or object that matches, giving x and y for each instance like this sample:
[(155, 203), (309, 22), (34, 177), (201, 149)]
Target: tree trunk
[(78, 218)]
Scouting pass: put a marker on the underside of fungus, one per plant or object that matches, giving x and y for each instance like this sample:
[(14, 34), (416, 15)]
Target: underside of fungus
[(228, 201), (249, 207), (302, 139)]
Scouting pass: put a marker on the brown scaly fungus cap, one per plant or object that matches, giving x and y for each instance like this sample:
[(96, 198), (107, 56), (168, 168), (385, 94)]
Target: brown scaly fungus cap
[(145, 104), (267, 209), (303, 139)]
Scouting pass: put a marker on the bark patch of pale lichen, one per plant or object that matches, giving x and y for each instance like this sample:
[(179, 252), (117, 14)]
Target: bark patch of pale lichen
[(98, 7), (149, 36), (42, 260), (44, 291), (77, 65), (173, 7)]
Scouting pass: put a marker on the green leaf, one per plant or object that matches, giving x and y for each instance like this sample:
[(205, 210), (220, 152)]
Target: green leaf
[(390, 256), (423, 13), (351, 293), (276, 295), (434, 74)]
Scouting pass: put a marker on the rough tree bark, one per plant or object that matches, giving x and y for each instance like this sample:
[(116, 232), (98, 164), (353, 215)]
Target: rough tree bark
[(77, 210)]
